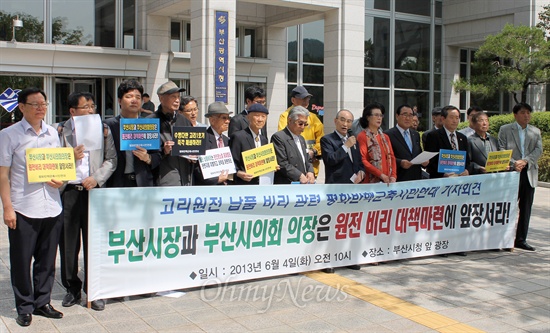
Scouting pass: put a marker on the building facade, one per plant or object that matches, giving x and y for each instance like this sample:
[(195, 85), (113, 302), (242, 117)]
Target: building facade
[(346, 52)]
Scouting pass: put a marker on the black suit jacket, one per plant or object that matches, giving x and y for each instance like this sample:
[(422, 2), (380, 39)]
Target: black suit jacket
[(144, 172), (437, 140), (402, 152), (240, 141), (211, 143), (288, 157), (240, 122), (477, 153), (338, 165)]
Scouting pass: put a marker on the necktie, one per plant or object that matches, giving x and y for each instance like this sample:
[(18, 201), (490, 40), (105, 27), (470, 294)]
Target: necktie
[(408, 140), (453, 144), (220, 142)]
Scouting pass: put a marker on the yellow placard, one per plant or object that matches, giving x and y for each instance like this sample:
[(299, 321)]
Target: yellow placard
[(498, 160), (261, 160), (44, 164)]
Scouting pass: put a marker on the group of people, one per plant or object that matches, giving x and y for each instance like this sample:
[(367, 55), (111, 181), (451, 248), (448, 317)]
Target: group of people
[(364, 155)]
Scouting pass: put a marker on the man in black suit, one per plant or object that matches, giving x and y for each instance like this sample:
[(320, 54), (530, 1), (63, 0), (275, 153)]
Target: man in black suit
[(218, 116), (291, 150), (405, 142), (252, 95), (480, 144), (447, 137), (249, 138), (437, 123), (340, 154), (134, 168)]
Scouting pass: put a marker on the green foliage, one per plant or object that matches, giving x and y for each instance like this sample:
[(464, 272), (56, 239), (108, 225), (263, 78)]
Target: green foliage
[(544, 161), (509, 61)]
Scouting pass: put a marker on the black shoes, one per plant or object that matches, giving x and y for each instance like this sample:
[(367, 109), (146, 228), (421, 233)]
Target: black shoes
[(47, 311), (328, 270), (70, 299), (98, 305), (354, 267), (24, 319), (525, 246)]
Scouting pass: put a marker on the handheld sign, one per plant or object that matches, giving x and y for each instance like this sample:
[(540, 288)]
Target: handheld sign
[(89, 131), (498, 160), (215, 161), (44, 164), (451, 161), (142, 132), (261, 160), (189, 140)]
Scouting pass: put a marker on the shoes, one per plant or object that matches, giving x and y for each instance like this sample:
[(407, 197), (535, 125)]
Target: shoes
[(525, 246), (328, 270), (462, 254), (70, 299), (24, 319), (354, 267), (98, 305), (48, 311)]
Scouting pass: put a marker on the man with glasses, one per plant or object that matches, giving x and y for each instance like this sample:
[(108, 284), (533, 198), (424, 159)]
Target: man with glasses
[(32, 211), (249, 138), (291, 150), (189, 109), (480, 144), (313, 132), (93, 168), (218, 116), (252, 95), (405, 142)]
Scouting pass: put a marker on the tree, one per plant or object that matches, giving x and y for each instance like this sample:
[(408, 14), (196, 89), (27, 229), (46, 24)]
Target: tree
[(510, 61), (544, 18)]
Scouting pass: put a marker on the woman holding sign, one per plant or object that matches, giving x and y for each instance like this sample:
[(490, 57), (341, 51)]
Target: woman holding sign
[(375, 146)]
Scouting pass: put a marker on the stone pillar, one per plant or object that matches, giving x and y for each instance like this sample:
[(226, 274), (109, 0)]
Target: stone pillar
[(344, 60), (277, 95)]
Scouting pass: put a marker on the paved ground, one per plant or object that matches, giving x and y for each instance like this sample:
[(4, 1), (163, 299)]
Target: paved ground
[(485, 291)]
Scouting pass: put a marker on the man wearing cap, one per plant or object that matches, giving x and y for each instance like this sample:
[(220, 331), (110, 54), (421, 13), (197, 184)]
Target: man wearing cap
[(252, 95), (437, 124), (246, 139), (218, 116), (173, 170), (313, 132)]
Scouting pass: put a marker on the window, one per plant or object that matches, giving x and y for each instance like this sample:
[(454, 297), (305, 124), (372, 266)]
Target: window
[(31, 12), (180, 40), (245, 42)]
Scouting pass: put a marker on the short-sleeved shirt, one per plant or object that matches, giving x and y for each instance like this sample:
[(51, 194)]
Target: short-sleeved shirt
[(34, 200)]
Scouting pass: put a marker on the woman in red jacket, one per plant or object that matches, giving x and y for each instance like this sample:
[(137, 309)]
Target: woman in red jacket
[(375, 146)]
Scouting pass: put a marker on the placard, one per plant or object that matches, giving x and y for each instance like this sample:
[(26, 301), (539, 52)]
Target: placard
[(45, 164), (189, 140), (215, 161), (451, 161), (498, 160), (142, 132), (261, 160)]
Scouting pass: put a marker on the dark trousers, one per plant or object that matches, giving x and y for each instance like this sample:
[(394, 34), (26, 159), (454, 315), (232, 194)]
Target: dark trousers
[(526, 195), (38, 239), (75, 223)]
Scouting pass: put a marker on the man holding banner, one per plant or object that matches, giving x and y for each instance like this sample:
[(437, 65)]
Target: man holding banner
[(480, 144), (218, 116), (134, 167), (94, 167), (246, 139), (32, 211)]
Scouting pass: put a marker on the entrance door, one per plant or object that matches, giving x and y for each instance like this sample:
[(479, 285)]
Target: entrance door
[(63, 88)]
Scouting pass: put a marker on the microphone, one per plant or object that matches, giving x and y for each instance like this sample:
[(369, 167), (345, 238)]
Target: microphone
[(350, 134)]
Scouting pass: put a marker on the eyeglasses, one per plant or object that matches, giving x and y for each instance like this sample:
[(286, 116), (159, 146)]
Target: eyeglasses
[(36, 106), (259, 101), (87, 107), (377, 115), (224, 118), (195, 109), (302, 123), (407, 115)]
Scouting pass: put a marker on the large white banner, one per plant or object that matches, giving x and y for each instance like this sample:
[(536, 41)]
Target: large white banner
[(144, 240)]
